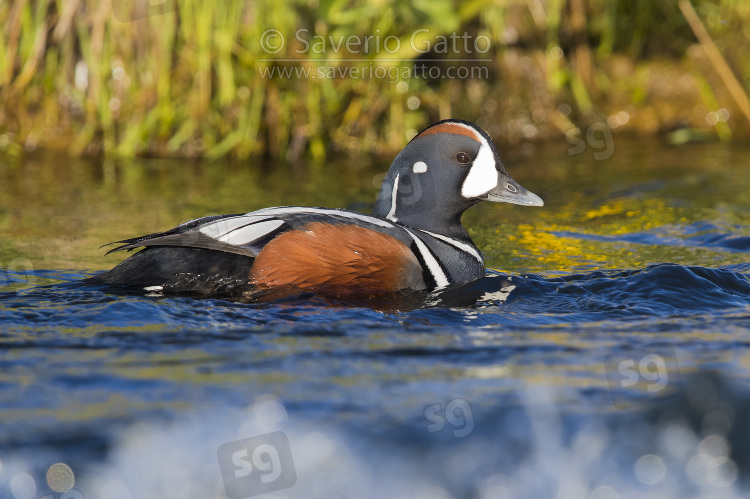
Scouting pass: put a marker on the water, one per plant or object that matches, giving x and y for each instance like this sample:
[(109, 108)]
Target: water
[(617, 366)]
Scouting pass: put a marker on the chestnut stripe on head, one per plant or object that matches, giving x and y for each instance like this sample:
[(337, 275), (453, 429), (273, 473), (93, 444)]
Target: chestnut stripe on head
[(454, 128)]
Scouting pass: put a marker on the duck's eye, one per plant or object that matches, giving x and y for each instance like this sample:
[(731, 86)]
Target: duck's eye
[(511, 187), (463, 158)]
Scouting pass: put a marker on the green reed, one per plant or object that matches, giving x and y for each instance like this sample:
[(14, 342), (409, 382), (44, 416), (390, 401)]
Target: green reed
[(186, 81)]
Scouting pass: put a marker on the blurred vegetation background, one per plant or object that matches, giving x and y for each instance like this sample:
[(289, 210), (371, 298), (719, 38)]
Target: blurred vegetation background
[(183, 78)]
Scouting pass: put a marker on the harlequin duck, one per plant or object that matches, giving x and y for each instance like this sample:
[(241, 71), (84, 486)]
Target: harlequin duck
[(412, 240)]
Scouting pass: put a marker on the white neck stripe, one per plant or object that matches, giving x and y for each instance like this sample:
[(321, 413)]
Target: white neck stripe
[(432, 264), (392, 214), (458, 244)]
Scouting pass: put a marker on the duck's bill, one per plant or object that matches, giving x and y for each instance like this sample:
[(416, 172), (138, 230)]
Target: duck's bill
[(510, 191)]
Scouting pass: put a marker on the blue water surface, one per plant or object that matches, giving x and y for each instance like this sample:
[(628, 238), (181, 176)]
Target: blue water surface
[(607, 373), (113, 385)]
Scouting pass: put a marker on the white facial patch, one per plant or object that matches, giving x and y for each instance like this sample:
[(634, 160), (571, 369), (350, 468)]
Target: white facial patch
[(482, 177), (419, 167)]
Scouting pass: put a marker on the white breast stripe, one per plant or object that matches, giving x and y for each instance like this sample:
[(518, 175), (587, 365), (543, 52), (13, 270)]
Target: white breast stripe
[(291, 210), (432, 265), (458, 244), (221, 227), (482, 177), (251, 232), (392, 214)]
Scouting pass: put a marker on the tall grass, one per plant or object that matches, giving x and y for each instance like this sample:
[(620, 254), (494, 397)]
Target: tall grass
[(184, 79)]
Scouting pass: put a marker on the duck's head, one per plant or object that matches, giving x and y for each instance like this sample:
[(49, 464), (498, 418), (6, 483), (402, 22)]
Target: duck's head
[(444, 170)]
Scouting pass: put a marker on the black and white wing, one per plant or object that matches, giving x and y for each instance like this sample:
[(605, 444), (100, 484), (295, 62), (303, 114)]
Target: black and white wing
[(239, 234), (215, 254)]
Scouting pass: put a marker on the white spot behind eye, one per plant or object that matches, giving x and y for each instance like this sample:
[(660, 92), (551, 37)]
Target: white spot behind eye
[(419, 167)]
